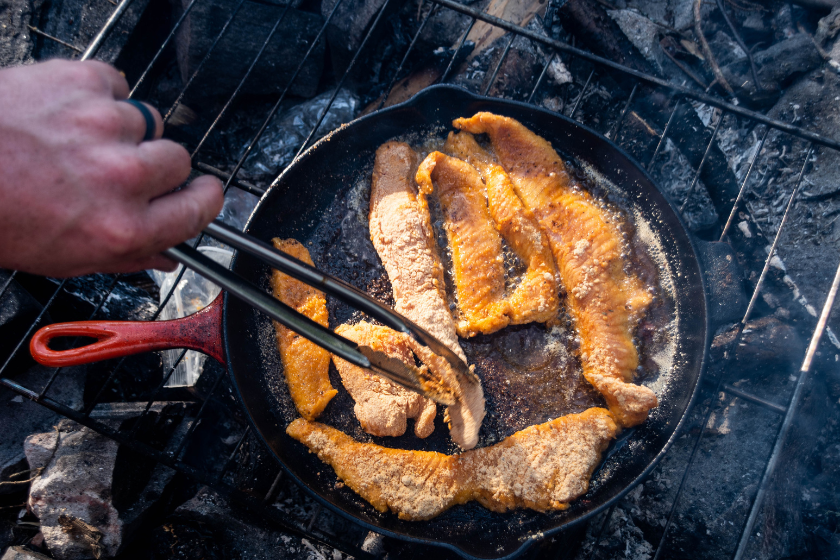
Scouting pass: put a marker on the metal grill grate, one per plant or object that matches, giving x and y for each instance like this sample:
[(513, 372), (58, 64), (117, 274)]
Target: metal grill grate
[(715, 384)]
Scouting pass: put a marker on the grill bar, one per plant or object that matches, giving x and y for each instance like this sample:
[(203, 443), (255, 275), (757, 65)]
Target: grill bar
[(616, 128), (391, 85), (792, 407), (664, 136), (163, 46), (452, 60), (499, 65), (106, 30), (700, 167), (743, 188), (778, 236), (580, 97), (542, 76)]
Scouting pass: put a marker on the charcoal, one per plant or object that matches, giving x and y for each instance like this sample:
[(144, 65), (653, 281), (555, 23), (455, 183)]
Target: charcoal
[(208, 527), (21, 417), (778, 66), (243, 39), (20, 553), (347, 28), (16, 41), (17, 312), (818, 5), (443, 29), (828, 27), (642, 32), (589, 22)]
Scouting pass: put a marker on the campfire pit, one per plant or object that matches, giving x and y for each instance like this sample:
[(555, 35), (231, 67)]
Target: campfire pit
[(731, 107)]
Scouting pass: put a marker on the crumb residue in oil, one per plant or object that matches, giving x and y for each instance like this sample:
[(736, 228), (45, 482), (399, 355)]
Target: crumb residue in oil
[(530, 373)]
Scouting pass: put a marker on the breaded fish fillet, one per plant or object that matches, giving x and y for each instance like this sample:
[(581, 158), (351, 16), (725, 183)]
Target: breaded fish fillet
[(605, 301), (382, 406), (477, 260), (401, 232), (542, 467), (535, 298), (305, 364)]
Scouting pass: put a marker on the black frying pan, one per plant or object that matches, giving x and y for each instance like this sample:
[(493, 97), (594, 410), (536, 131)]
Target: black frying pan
[(320, 200)]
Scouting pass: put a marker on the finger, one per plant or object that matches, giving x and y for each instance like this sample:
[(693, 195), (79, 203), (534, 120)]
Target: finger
[(115, 80), (181, 215), (134, 122), (166, 165)]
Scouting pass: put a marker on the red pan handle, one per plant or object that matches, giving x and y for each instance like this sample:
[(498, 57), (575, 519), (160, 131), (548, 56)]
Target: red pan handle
[(200, 331)]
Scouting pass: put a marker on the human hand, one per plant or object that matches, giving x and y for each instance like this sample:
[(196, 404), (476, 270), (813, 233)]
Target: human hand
[(79, 191)]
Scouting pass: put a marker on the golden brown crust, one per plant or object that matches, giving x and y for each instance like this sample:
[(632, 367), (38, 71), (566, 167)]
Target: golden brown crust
[(305, 365), (401, 230), (605, 302), (477, 261), (383, 407), (543, 467), (535, 299)]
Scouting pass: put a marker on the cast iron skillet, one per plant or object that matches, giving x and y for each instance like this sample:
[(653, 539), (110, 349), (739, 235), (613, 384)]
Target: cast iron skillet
[(312, 202)]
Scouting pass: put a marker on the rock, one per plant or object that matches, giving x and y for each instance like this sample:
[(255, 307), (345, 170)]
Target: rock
[(21, 417), (240, 45), (72, 495), (20, 553), (91, 495)]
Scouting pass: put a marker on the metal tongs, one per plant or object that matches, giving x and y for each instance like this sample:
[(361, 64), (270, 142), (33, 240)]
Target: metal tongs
[(406, 375)]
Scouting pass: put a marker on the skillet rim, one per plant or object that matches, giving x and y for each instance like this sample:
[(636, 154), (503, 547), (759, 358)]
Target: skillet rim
[(529, 539)]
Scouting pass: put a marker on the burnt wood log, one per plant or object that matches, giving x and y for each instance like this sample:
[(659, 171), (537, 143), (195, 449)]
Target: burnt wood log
[(778, 66), (348, 27), (589, 23), (242, 41)]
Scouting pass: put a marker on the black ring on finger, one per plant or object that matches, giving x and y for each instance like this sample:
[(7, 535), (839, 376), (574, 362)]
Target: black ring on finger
[(151, 125)]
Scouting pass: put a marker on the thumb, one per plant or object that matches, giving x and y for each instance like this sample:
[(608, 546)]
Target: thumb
[(181, 215)]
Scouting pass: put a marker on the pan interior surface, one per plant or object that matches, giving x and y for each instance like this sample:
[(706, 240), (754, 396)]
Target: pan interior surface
[(320, 200)]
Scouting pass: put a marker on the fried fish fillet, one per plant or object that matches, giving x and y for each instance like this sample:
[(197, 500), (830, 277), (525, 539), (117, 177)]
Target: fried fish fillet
[(542, 467), (477, 261), (535, 298), (401, 231), (605, 301), (305, 364), (383, 407)]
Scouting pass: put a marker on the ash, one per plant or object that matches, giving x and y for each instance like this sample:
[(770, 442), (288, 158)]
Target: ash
[(695, 503)]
